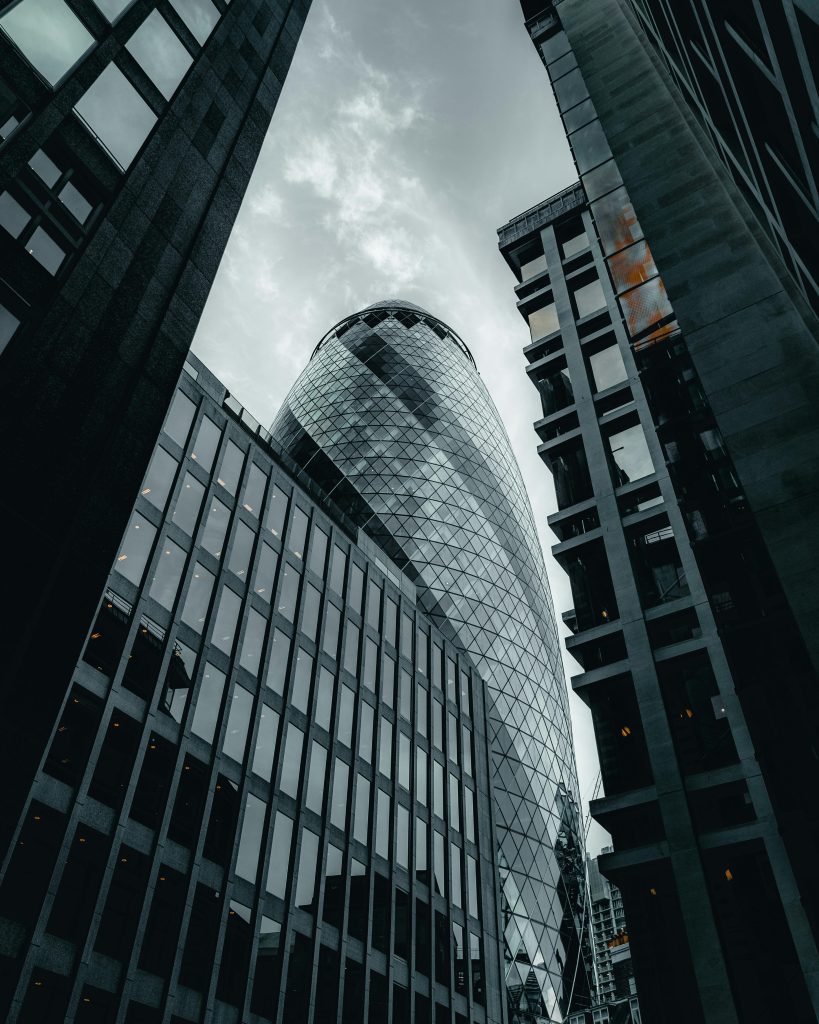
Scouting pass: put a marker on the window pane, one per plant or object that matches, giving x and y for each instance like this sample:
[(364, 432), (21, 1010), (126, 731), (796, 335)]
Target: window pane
[(306, 878), (421, 651), (135, 548), (362, 809), (630, 455), (543, 321), (198, 599), (439, 863), (250, 841), (45, 250), (466, 747), (338, 811), (421, 856), (332, 624), (438, 789), (388, 681), (589, 298), (356, 591), (407, 629), (370, 664), (199, 15), (208, 703), (160, 53), (279, 866), (452, 737), (300, 690), (437, 725), (590, 146), (405, 695), (116, 114), (179, 418), (607, 368), (437, 661), (13, 217), (382, 825), (402, 837), (385, 749), (455, 892), (318, 551), (178, 681), (344, 729), (276, 512), (310, 611), (265, 743), (314, 798), (291, 761), (472, 885), (231, 468), (277, 665), (159, 479), (404, 760), (265, 572), (454, 803), (421, 781), (365, 732), (324, 698), (421, 705), (351, 648), (469, 814), (298, 532), (288, 591), (216, 524), (45, 168), (49, 34), (167, 574), (188, 504), (450, 680), (75, 202), (227, 615), (112, 8), (241, 550), (252, 642), (206, 443), (390, 621), (254, 489), (373, 604)]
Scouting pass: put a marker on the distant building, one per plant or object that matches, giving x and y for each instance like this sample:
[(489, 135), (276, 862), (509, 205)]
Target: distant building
[(610, 939)]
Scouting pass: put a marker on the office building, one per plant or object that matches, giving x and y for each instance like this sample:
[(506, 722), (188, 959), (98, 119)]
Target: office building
[(128, 133), (686, 471), (267, 794), (392, 420)]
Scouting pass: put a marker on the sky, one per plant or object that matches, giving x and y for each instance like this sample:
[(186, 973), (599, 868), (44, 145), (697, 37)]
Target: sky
[(405, 135)]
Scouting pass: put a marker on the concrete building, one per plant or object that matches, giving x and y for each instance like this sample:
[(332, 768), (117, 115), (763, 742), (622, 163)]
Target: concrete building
[(392, 419), (241, 813), (128, 133), (609, 933), (686, 468)]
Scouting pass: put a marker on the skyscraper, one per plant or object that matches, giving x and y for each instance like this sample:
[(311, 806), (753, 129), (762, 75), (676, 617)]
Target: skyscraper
[(267, 794), (128, 133), (392, 420), (676, 356)]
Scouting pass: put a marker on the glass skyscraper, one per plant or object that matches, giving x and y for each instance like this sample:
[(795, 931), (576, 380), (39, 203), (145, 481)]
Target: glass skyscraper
[(392, 420)]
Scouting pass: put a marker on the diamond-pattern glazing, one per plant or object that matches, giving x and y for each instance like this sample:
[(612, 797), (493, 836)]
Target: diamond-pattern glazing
[(392, 419)]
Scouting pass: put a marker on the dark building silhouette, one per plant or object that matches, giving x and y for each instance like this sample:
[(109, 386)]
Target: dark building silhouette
[(267, 794), (674, 346), (128, 133)]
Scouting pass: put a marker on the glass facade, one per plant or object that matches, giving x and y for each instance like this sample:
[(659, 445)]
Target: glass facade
[(229, 801), (392, 417)]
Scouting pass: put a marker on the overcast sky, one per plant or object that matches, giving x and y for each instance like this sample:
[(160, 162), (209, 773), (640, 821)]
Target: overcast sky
[(405, 135)]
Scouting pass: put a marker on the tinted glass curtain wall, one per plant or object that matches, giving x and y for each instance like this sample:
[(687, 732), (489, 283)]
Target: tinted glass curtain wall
[(392, 418)]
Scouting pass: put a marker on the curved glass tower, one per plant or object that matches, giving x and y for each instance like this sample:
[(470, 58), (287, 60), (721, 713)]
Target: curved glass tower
[(392, 419)]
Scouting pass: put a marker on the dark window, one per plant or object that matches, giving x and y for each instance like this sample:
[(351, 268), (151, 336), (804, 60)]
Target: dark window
[(358, 915), (235, 961), (696, 714), (619, 733), (265, 993), (180, 416), (68, 755), (441, 949), (422, 947), (299, 976), (401, 941), (379, 1008), (120, 917), (381, 913), (189, 805), (178, 681), (352, 1010), (142, 668), (224, 814), (151, 793), (327, 985), (200, 944), (108, 635), (159, 943), (116, 760), (79, 885), (206, 443)]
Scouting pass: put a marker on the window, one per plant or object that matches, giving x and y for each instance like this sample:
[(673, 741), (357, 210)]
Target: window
[(390, 621), (373, 604), (75, 202), (112, 8), (607, 367), (306, 875), (438, 788), (543, 321), (216, 524), (208, 703), (318, 551), (388, 681), (240, 708), (159, 479), (135, 548), (116, 114), (279, 866), (287, 593), (589, 298), (361, 823), (631, 459), (265, 572), (310, 611), (382, 825), (404, 760), (199, 15), (227, 615), (314, 797), (456, 891), (573, 238), (253, 497), (356, 591), (421, 770), (188, 504), (45, 250), (206, 443), (8, 325), (300, 689), (12, 215), (160, 52), (250, 839), (402, 837), (385, 749), (167, 574), (531, 261), (351, 648), (276, 512), (332, 624), (338, 808), (180, 416), (365, 732), (265, 743), (344, 726), (298, 532), (277, 665), (49, 35), (231, 468), (370, 664), (324, 698), (291, 761), (241, 550), (198, 599), (454, 803)]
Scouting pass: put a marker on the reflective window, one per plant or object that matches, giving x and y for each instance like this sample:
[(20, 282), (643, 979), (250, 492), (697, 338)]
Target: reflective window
[(338, 567), (421, 781), (198, 598), (469, 814), (332, 624), (385, 749), (206, 713), (8, 325), (439, 863), (276, 512), (265, 748), (75, 202), (543, 321), (437, 661), (390, 621), (252, 642), (452, 737), (404, 760), (278, 869), (288, 591), (178, 681), (421, 704), (438, 789), (241, 550), (135, 548), (306, 877), (365, 732), (455, 892), (167, 574), (421, 651), (454, 803), (231, 468), (291, 761), (451, 693), (361, 823), (630, 455), (607, 367), (180, 416), (318, 551), (356, 591), (277, 664), (188, 504), (117, 115), (199, 15), (344, 727), (465, 696), (49, 34), (351, 648), (250, 841), (388, 681), (255, 486), (227, 615), (324, 698), (338, 809), (13, 216), (112, 8), (160, 53), (466, 747), (407, 629), (310, 611), (302, 674), (421, 861), (159, 478), (590, 146), (373, 604), (370, 664), (265, 572), (382, 824), (314, 797), (589, 298), (45, 250), (216, 524), (405, 695), (472, 885), (333, 892), (206, 443), (438, 725), (298, 532), (45, 168), (402, 837)]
